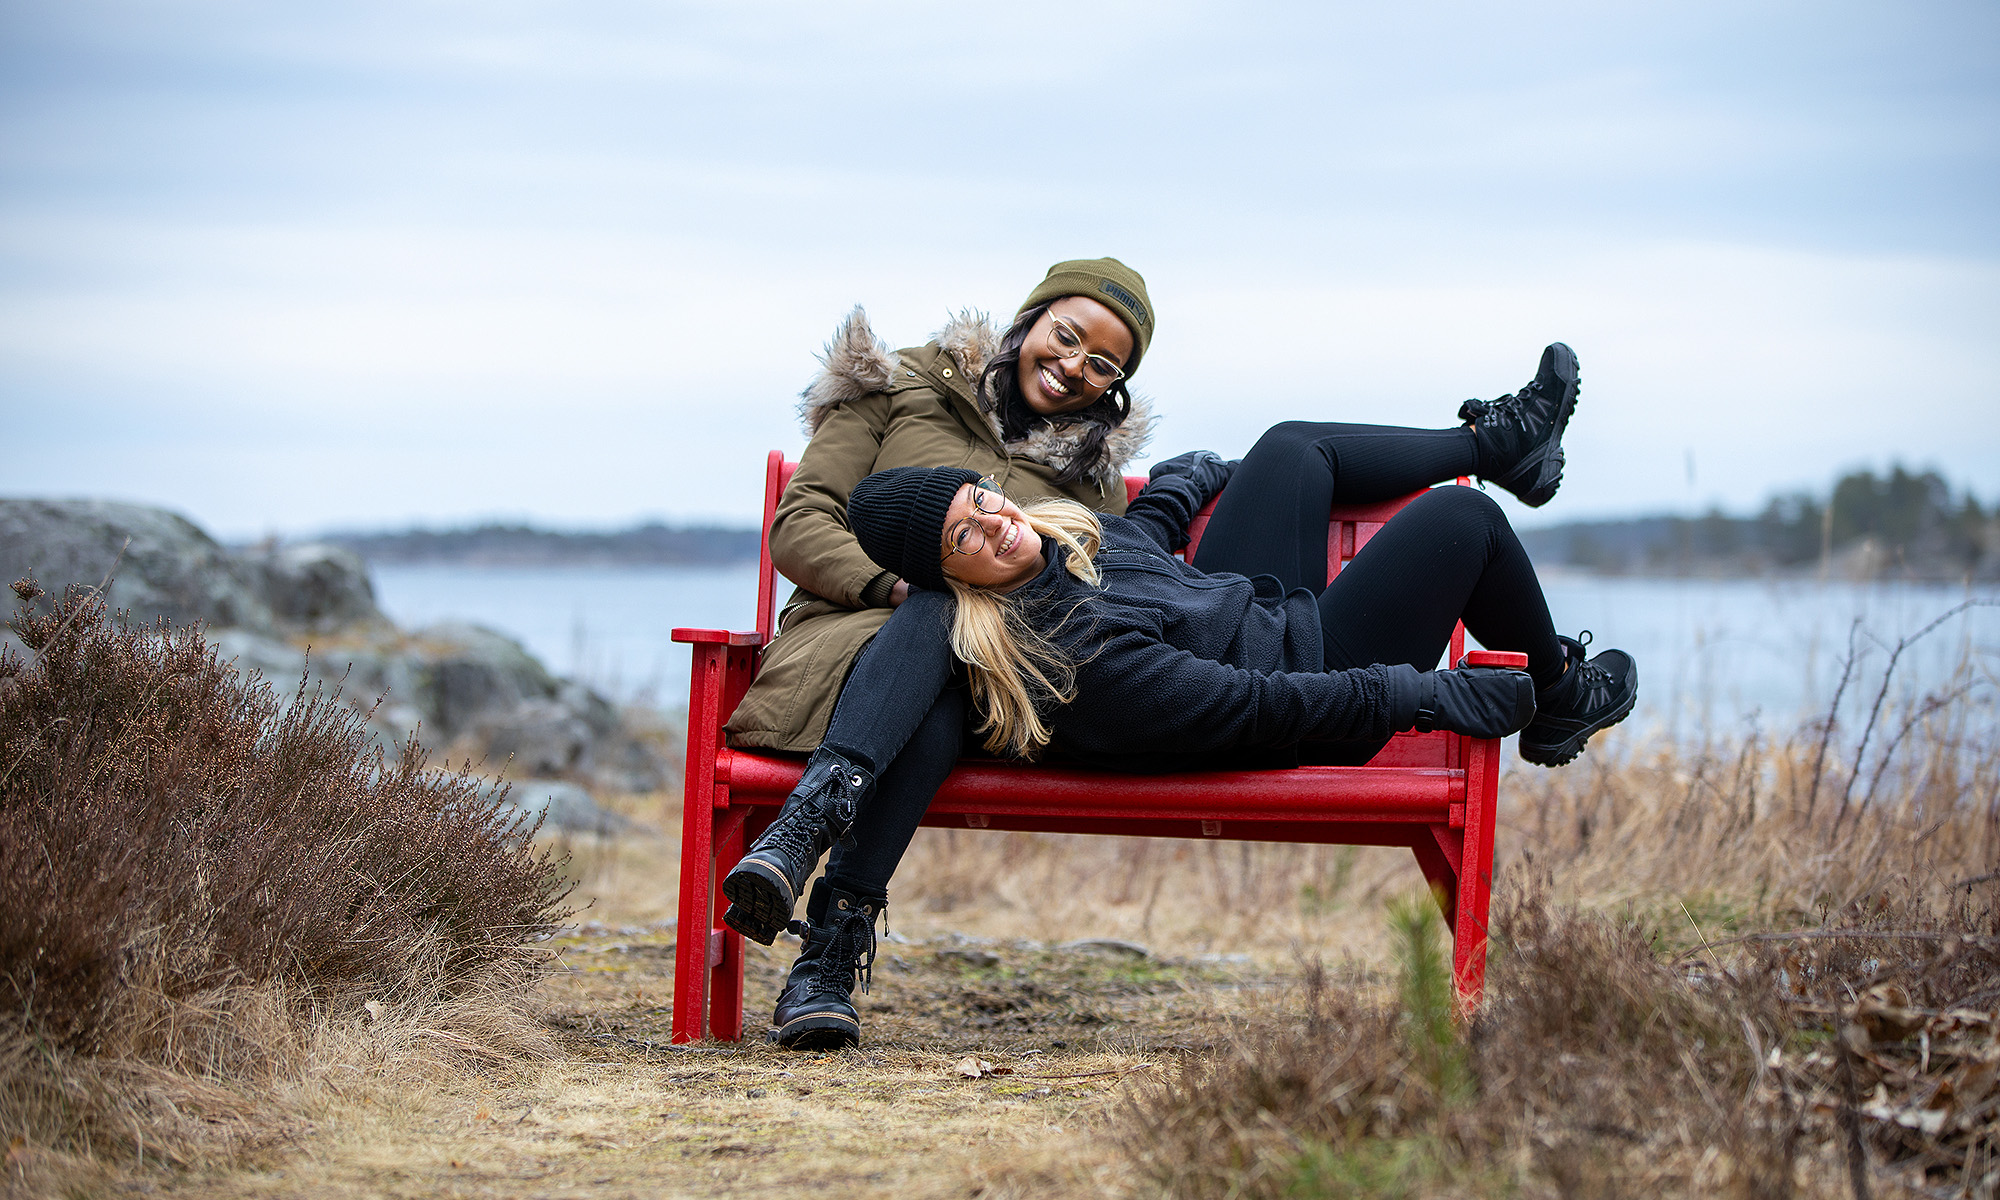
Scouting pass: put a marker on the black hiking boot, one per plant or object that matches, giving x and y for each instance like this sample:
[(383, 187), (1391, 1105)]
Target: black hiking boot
[(764, 887), (816, 1009), (1593, 694), (1520, 436)]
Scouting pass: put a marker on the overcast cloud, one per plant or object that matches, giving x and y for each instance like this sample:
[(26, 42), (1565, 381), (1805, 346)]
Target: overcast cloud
[(286, 267)]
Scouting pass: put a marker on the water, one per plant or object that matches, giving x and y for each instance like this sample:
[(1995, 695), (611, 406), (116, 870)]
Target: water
[(607, 626), (1714, 656)]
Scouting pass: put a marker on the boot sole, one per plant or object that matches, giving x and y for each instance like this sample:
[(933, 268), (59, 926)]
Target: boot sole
[(1546, 464), (761, 901), (1557, 754), (818, 1031)]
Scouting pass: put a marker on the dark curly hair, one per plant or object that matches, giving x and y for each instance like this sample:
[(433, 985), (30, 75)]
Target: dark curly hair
[(1001, 383)]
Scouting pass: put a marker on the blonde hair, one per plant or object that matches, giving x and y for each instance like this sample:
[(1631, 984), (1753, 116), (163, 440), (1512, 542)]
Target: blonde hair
[(1013, 664)]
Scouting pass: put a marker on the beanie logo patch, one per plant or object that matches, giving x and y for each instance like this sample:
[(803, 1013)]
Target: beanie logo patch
[(1125, 298)]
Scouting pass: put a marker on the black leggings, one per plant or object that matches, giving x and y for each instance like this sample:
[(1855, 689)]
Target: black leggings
[(1447, 555)]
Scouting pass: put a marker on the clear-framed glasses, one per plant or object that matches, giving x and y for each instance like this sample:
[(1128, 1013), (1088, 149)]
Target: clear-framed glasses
[(969, 536), (1066, 342)]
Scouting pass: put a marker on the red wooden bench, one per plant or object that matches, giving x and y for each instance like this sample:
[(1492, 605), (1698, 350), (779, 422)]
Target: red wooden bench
[(1433, 792)]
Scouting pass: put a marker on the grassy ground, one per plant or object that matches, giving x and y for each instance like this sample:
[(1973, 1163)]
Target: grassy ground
[(1056, 1036), (1209, 1064)]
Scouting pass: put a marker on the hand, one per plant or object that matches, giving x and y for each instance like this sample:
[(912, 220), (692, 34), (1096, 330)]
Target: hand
[(899, 593), (1482, 702)]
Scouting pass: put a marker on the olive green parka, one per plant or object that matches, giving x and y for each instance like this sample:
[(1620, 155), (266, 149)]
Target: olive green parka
[(869, 409)]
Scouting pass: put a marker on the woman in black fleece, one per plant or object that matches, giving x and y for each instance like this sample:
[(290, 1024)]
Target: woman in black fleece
[(1085, 635)]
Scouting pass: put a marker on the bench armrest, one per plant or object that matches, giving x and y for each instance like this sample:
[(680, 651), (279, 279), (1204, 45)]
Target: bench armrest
[(741, 637)]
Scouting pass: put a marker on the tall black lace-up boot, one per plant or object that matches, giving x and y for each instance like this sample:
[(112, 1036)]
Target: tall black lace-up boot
[(764, 887), (1593, 694), (1520, 436), (816, 1009)]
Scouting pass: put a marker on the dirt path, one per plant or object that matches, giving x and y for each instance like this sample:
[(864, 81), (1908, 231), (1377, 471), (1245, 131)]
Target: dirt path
[(625, 1113)]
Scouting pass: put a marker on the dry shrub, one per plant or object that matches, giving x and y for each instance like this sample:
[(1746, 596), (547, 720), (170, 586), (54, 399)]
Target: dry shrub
[(1603, 1064), (1767, 968), (1888, 784), (199, 885)]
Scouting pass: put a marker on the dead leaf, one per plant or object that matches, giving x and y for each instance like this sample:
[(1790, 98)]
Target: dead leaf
[(375, 1009), (973, 1067), (484, 1114), (1884, 1011)]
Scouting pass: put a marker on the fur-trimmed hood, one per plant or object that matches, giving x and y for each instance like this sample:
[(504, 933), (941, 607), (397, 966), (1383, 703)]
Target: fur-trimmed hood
[(856, 363)]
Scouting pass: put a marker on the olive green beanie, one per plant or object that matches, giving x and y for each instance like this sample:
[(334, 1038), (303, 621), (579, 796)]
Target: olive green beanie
[(1110, 283)]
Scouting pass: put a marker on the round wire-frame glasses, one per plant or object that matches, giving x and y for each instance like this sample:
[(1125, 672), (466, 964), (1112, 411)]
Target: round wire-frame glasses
[(1066, 342), (968, 537)]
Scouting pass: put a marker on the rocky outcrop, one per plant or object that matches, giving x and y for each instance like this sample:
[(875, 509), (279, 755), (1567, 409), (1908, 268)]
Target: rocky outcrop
[(160, 564), (315, 587), (305, 618)]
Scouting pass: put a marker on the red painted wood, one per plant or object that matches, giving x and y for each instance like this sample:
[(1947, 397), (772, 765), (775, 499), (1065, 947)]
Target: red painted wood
[(1303, 793), (1435, 793), (691, 967)]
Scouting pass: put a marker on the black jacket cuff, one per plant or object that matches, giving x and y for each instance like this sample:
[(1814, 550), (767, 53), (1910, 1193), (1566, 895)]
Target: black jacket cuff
[(1406, 690)]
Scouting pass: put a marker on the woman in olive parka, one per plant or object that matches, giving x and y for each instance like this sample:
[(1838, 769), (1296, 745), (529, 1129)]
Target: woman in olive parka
[(872, 408), (1043, 410)]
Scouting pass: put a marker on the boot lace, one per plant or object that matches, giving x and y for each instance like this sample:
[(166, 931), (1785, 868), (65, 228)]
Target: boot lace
[(849, 953), (1592, 679), (798, 829)]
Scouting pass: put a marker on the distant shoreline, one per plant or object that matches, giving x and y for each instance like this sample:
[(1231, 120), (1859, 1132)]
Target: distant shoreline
[(652, 544)]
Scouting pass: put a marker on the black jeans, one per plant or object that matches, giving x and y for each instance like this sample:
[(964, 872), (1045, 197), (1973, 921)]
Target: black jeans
[(901, 714), (1448, 555)]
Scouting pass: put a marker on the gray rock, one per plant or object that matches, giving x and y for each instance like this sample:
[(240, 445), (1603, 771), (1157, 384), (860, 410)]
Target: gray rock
[(1113, 947), (546, 737), (169, 569), (970, 958), (563, 807), (315, 586), (305, 616), (467, 673)]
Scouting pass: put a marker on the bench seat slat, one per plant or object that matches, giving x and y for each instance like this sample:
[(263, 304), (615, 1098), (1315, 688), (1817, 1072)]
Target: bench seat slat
[(1303, 793)]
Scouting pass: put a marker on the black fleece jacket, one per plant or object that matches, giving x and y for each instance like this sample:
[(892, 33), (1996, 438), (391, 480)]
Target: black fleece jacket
[(1178, 668)]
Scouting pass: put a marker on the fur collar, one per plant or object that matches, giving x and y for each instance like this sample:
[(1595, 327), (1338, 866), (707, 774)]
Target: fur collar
[(856, 363)]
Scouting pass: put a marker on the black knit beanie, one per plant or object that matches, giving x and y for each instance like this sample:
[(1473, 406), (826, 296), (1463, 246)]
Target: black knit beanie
[(898, 517)]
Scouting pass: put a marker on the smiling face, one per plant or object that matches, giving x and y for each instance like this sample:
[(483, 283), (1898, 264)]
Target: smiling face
[(1052, 385), (1011, 555)]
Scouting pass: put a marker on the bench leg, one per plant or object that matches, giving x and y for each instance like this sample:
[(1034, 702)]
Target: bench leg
[(1475, 893), (725, 945), (1438, 855), (692, 937)]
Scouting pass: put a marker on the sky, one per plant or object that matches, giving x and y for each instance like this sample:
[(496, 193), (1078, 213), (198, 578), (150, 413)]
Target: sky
[(291, 267)]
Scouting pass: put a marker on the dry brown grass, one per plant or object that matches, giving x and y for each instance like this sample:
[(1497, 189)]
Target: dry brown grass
[(1762, 969), (209, 899)]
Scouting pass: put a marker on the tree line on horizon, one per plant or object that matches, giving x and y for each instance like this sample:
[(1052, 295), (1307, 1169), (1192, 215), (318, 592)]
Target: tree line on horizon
[(1900, 524)]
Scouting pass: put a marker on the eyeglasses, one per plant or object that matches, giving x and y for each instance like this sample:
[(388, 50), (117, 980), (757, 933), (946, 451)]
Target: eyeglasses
[(968, 537), (1066, 342)]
